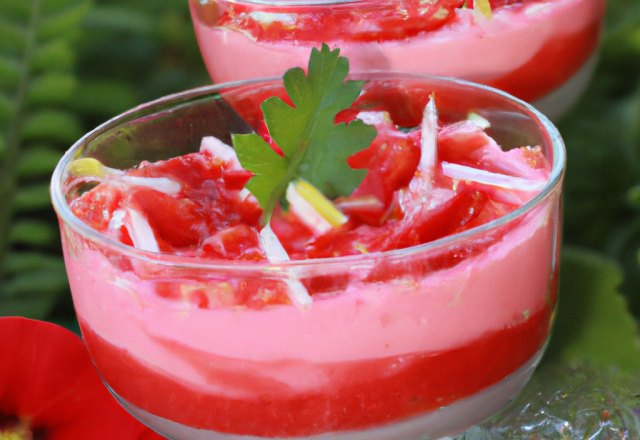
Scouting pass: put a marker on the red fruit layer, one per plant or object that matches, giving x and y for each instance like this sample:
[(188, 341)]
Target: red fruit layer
[(554, 64), (362, 394)]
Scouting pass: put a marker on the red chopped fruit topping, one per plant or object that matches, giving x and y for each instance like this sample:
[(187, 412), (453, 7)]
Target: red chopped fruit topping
[(422, 185), (371, 21), (211, 216), (391, 160)]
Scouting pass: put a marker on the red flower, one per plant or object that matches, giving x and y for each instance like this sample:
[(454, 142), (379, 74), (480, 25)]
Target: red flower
[(50, 390)]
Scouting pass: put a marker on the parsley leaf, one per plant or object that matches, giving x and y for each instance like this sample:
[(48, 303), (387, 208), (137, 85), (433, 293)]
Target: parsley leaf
[(314, 147)]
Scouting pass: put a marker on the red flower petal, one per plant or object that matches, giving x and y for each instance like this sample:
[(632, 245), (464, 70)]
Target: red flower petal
[(46, 376)]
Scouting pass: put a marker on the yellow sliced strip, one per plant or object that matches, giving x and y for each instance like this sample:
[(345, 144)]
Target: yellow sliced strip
[(320, 203), (87, 167), (483, 6)]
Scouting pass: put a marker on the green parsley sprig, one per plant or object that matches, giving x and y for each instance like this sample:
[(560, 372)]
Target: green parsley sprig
[(315, 148)]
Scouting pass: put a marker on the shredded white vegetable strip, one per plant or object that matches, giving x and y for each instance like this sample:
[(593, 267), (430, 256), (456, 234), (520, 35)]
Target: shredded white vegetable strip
[(91, 170), (276, 253), (421, 184), (360, 202), (140, 231), (272, 246), (162, 184), (462, 172), (219, 149), (428, 144)]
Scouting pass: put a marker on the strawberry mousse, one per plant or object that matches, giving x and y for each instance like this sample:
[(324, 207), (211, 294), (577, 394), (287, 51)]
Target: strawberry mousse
[(418, 309), (542, 51)]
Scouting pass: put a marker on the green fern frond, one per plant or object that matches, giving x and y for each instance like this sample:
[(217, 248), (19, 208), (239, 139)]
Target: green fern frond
[(37, 123)]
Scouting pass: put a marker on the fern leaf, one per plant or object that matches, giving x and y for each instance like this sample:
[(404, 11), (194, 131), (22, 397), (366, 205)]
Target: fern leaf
[(32, 232), (37, 161), (54, 56), (52, 88), (9, 73), (58, 125), (7, 109), (37, 88), (32, 198), (13, 37), (21, 262), (63, 22)]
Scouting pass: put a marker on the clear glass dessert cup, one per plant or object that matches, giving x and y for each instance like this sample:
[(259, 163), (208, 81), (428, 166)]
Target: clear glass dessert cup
[(541, 51), (414, 343)]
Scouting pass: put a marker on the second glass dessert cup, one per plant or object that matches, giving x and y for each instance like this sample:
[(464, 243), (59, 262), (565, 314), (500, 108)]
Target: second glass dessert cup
[(407, 344), (541, 51)]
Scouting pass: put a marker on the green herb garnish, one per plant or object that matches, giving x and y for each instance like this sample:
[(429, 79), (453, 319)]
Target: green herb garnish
[(314, 147)]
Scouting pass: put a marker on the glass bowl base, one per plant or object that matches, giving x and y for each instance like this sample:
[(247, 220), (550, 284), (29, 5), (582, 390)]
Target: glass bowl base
[(447, 421)]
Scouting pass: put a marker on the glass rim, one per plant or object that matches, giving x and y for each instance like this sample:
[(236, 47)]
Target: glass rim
[(67, 217)]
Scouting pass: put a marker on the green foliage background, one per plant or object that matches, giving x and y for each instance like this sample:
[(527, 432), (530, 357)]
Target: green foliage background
[(68, 65)]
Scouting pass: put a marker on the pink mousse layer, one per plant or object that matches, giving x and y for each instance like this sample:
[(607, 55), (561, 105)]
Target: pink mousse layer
[(470, 47), (444, 310)]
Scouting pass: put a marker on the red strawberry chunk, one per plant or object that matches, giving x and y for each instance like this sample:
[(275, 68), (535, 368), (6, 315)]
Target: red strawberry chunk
[(391, 160), (177, 222)]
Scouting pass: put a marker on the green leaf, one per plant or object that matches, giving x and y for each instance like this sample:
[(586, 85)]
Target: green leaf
[(54, 125), (28, 306), (10, 72), (119, 19), (105, 98), (38, 161), (7, 108), (37, 282), (55, 6), (32, 233), (52, 88), (271, 170), (314, 147), (56, 55), (593, 323), (32, 198), (13, 37), (62, 23), (16, 9), (19, 262)]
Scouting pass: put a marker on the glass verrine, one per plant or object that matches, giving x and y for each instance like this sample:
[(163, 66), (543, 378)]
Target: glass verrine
[(423, 341), (542, 51)]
